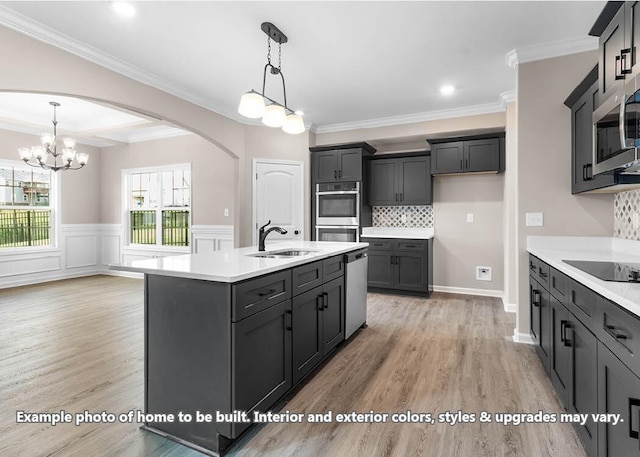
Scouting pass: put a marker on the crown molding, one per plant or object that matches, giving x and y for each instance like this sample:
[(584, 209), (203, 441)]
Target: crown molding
[(488, 108), (508, 96), (38, 31), (549, 50)]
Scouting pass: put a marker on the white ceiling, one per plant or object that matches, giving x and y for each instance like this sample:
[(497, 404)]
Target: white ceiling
[(346, 63)]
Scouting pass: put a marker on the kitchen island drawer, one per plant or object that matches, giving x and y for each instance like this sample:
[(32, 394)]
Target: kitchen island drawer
[(332, 268), (619, 330), (306, 277), (256, 294), (539, 270)]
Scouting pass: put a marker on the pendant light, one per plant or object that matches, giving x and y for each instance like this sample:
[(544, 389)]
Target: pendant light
[(273, 114)]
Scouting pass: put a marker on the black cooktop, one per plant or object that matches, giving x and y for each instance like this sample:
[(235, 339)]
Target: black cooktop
[(609, 271)]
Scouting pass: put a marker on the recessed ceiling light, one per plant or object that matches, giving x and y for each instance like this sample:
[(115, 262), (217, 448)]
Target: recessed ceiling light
[(125, 9), (447, 89), (299, 113)]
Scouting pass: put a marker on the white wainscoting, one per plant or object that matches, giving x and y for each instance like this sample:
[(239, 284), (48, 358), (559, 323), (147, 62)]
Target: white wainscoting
[(89, 249)]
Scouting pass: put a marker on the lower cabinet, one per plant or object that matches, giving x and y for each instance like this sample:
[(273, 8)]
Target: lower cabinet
[(262, 358), (400, 265), (618, 393), (317, 325), (587, 376), (541, 322)]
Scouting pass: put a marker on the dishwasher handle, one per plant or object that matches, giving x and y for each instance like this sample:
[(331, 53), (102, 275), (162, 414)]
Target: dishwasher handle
[(355, 255)]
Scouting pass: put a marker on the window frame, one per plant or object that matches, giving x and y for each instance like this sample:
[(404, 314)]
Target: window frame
[(126, 209), (54, 208)]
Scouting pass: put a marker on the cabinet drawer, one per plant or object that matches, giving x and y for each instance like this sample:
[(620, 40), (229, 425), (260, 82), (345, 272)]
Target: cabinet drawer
[(306, 277), (332, 268), (558, 285), (619, 330), (410, 245), (256, 294), (543, 273), (583, 302), (378, 244), (533, 267)]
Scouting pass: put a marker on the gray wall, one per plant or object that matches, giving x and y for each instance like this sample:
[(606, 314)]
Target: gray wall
[(544, 162), (212, 175)]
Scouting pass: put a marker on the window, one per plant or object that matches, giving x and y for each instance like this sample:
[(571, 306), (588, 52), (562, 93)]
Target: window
[(159, 205), (25, 206)]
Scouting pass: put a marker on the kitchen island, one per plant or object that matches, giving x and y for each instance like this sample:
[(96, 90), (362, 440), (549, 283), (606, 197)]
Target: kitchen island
[(230, 333)]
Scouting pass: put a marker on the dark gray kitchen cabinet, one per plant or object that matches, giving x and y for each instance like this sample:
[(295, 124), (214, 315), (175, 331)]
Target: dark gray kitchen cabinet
[(484, 154), (582, 102), (307, 332), (559, 367), (540, 318), (582, 393), (317, 317), (262, 358), (332, 314), (400, 265), (398, 181), (338, 163), (618, 393)]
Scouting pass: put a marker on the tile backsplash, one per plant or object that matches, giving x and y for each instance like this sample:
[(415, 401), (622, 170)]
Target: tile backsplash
[(625, 205), (391, 216)]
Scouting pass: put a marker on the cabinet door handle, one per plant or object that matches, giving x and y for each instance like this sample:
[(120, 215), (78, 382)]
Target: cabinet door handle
[(589, 168), (335, 174), (401, 197), (288, 320), (618, 336), (532, 266), (461, 167), (567, 340), (264, 294), (409, 245), (396, 196), (325, 299), (584, 172), (624, 70), (466, 163), (634, 403), (339, 174), (563, 328), (619, 74), (542, 273), (536, 298)]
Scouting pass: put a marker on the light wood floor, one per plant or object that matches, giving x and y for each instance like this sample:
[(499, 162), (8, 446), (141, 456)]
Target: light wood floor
[(78, 345)]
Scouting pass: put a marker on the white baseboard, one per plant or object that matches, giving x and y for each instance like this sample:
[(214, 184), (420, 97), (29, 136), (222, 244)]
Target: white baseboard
[(124, 274), (465, 291), (524, 338), (509, 307), (26, 280)]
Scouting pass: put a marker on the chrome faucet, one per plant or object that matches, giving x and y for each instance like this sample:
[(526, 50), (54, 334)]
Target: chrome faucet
[(262, 234)]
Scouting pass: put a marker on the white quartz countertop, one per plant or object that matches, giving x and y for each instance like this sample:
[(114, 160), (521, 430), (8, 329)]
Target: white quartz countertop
[(553, 250), (236, 264), (397, 232)]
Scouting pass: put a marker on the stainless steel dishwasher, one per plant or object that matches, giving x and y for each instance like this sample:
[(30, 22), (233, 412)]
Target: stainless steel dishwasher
[(357, 263)]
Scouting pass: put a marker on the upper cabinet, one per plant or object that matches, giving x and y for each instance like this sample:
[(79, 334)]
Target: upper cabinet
[(582, 102), (468, 155), (400, 181), (618, 29), (339, 163)]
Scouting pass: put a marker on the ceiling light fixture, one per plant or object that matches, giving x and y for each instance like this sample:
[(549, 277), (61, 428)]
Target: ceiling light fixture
[(275, 114), (447, 89), (49, 148), (123, 9)]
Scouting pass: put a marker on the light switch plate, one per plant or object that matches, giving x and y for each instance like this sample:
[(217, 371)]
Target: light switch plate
[(469, 217), (535, 220), (483, 273), (226, 211)]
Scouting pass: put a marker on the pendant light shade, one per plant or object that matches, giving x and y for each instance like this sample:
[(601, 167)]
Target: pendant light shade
[(251, 105), (293, 124), (274, 115)]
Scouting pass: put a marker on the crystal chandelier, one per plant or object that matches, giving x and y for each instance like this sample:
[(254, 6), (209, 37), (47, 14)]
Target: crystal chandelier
[(37, 156), (275, 114)]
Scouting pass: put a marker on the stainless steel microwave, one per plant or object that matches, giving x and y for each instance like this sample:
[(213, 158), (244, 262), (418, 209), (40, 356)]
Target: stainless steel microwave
[(616, 134)]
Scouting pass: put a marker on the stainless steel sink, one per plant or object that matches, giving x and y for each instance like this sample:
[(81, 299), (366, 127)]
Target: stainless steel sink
[(282, 254)]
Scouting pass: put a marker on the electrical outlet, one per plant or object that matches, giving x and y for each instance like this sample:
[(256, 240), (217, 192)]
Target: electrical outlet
[(483, 273), (226, 212), (534, 220), (635, 220), (403, 218), (469, 217)]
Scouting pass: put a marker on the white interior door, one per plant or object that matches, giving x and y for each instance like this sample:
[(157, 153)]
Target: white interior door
[(278, 194)]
